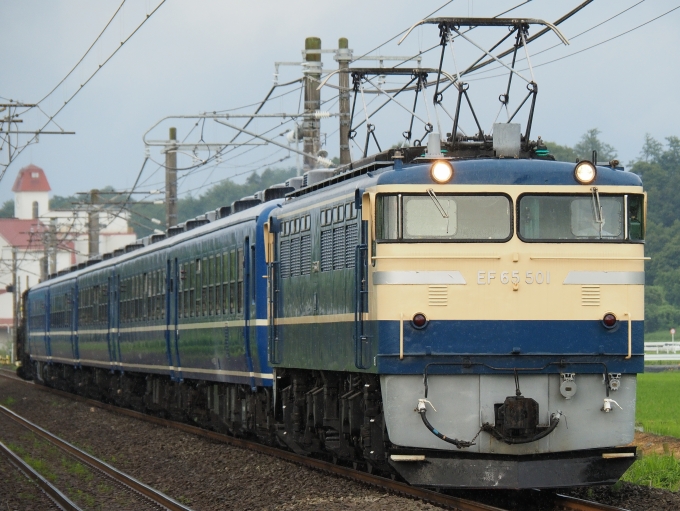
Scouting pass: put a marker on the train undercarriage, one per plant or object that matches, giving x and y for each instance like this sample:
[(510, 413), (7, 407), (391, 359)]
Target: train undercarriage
[(333, 416)]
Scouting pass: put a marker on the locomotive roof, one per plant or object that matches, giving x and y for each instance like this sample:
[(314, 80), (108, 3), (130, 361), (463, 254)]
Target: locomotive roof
[(509, 172)]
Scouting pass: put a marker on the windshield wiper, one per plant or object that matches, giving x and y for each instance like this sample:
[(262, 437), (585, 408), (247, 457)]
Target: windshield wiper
[(597, 209), (441, 209), (434, 198)]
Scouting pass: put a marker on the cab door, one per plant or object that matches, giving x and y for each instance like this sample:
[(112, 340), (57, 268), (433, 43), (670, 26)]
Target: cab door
[(172, 279)]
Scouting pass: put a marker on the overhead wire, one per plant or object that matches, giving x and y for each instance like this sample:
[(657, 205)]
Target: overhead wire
[(50, 119), (589, 47), (84, 55), (571, 38)]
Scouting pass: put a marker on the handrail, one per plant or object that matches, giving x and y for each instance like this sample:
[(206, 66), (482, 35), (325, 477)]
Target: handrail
[(630, 335)]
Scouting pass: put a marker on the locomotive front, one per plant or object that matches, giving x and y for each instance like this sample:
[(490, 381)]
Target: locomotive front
[(506, 304)]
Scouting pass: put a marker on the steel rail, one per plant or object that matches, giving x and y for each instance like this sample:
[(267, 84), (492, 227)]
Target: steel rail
[(563, 502), (59, 499), (120, 477), (566, 503)]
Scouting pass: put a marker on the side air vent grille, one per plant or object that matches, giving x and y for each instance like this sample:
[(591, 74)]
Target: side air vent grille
[(295, 257), (284, 256), (438, 296), (590, 296), (305, 254), (351, 239), (338, 248), (327, 250)]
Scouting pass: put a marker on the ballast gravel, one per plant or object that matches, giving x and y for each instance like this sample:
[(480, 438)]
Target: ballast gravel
[(207, 475)]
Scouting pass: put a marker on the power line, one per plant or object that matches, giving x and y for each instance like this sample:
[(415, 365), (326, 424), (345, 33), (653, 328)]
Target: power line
[(148, 16), (85, 55), (571, 38), (592, 46), (400, 33)]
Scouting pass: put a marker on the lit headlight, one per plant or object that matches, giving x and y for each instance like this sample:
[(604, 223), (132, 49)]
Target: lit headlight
[(585, 172), (441, 171)]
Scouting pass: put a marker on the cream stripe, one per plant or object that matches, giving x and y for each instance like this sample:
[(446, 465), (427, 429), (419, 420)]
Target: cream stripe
[(161, 328), (443, 256), (222, 372)]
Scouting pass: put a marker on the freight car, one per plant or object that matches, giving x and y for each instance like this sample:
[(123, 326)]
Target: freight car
[(434, 317)]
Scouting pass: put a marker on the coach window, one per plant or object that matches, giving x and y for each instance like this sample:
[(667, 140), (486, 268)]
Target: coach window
[(203, 284), (210, 274), (593, 217), (225, 282), (239, 270), (217, 281), (181, 287), (192, 289), (232, 282)]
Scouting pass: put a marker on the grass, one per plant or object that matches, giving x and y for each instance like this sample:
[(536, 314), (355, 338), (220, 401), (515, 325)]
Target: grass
[(659, 336), (658, 406), (656, 471), (8, 401)]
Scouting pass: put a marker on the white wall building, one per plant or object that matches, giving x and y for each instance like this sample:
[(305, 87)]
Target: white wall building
[(36, 231)]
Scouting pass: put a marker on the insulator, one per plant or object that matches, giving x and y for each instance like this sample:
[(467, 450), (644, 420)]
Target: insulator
[(324, 161), (321, 115)]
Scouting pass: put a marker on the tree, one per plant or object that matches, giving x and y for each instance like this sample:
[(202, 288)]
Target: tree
[(590, 142), (218, 195), (561, 152), (7, 209)]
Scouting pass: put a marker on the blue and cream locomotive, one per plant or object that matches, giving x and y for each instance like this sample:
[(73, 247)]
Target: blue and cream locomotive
[(420, 312)]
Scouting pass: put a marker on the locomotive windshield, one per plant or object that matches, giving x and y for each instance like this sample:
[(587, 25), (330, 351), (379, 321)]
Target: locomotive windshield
[(589, 217), (444, 217)]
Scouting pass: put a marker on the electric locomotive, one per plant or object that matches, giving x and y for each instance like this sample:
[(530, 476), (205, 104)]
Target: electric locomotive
[(436, 317)]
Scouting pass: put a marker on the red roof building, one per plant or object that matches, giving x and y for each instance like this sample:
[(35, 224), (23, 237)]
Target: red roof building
[(26, 234), (31, 179)]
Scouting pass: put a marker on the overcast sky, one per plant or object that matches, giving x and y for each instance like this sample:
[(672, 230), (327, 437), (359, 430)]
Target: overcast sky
[(210, 55)]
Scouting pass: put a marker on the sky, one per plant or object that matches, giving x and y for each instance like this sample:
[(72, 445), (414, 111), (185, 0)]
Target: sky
[(191, 57)]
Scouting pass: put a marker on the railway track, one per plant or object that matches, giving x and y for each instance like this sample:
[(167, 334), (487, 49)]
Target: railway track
[(561, 502), (59, 500), (143, 495)]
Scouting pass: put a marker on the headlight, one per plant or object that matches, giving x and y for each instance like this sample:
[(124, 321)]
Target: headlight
[(441, 171), (585, 172)]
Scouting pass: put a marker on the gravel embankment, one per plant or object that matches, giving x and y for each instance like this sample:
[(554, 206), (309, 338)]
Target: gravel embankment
[(202, 474), (207, 475)]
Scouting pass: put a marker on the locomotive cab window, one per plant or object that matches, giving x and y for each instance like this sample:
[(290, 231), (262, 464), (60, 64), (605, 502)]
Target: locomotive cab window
[(443, 217), (592, 217)]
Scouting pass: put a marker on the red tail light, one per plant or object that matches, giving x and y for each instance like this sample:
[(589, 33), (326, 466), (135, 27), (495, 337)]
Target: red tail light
[(419, 320), (609, 320)]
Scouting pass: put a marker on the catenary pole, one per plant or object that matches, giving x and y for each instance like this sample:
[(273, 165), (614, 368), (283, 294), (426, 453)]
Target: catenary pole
[(312, 74), (171, 181), (344, 57)]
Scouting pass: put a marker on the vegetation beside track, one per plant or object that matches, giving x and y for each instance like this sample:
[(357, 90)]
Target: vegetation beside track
[(655, 471), (658, 407)]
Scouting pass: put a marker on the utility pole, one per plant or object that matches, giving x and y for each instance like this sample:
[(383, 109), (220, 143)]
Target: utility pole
[(171, 181), (311, 126), (344, 57), (52, 238), (44, 262), (93, 224), (15, 292)]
